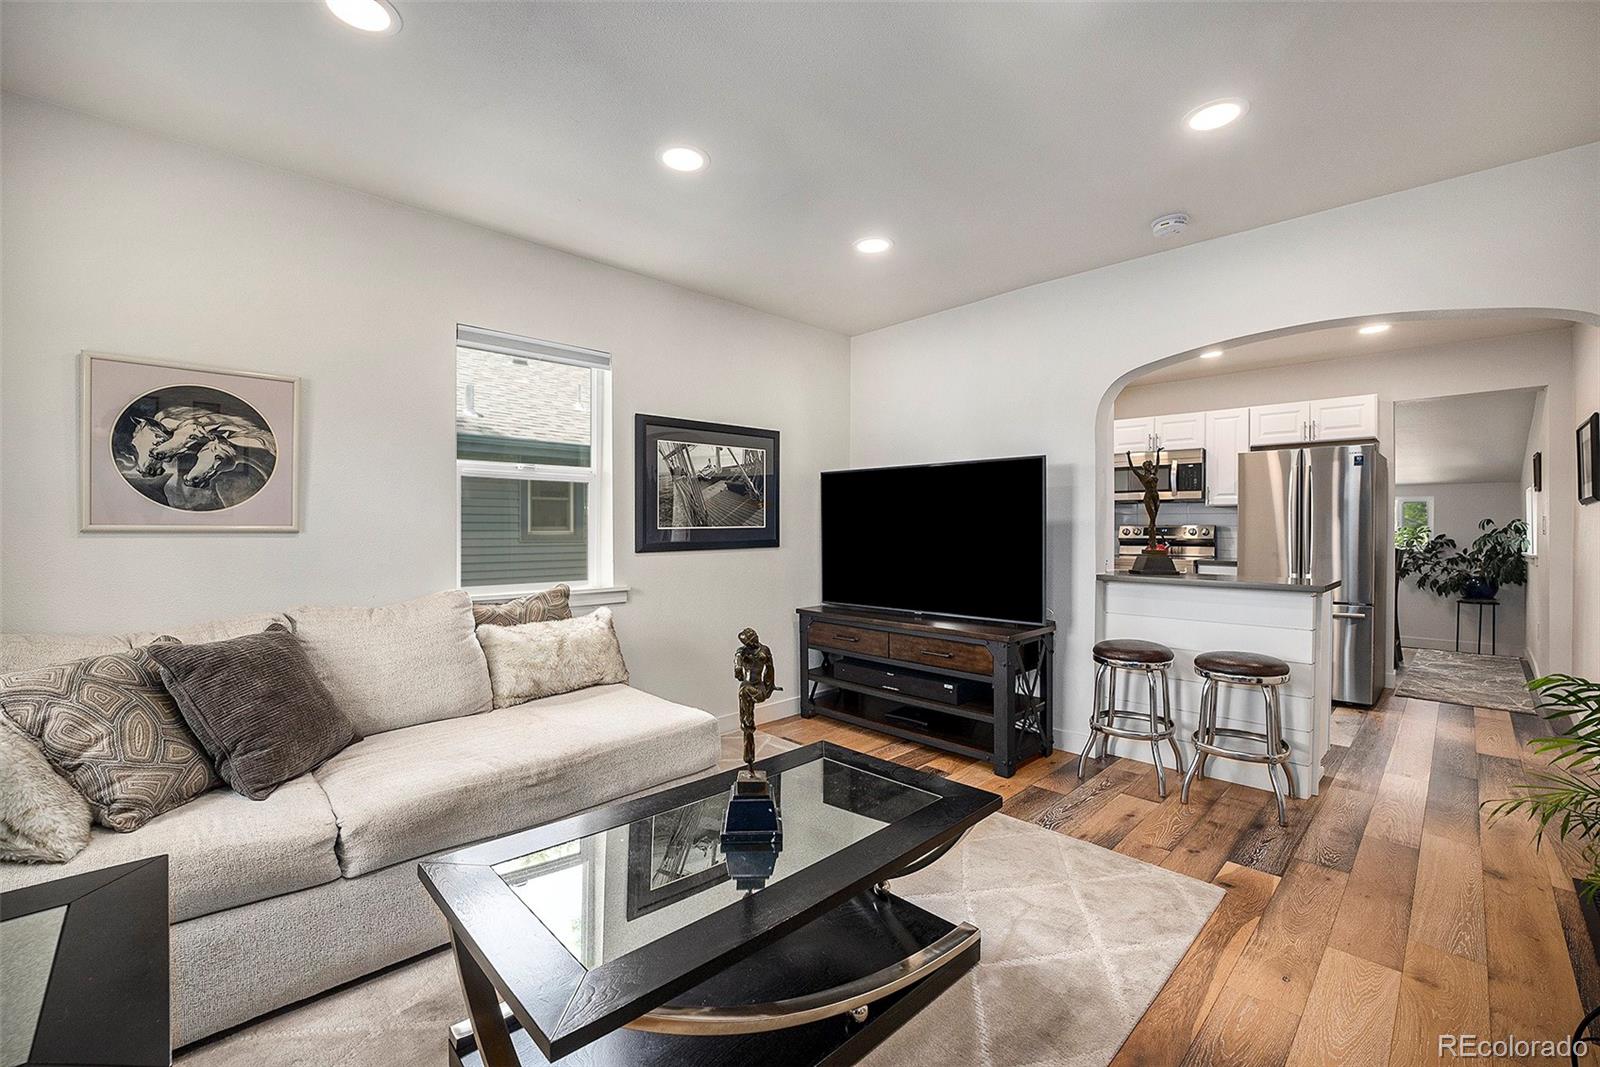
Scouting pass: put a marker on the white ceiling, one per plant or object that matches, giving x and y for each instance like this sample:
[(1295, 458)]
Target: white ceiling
[(999, 145), (1479, 437), (1339, 342)]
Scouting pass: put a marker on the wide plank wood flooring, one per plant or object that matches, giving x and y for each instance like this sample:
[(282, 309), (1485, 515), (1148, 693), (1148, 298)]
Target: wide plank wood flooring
[(1391, 909)]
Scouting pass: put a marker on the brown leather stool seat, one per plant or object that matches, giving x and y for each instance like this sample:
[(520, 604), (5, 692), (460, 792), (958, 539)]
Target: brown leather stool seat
[(1133, 651), (1241, 664)]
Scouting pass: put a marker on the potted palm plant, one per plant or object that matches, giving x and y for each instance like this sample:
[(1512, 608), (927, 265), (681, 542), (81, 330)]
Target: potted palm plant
[(1565, 797)]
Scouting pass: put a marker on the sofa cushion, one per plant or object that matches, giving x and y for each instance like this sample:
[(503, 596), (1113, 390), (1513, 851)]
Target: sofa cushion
[(108, 725), (224, 850), (398, 665), (220, 630), (406, 793), (43, 819), (25, 652), (553, 603), (256, 707), (542, 659)]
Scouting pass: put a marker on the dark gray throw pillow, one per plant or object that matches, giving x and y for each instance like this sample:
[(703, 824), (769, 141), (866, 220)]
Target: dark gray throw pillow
[(256, 707)]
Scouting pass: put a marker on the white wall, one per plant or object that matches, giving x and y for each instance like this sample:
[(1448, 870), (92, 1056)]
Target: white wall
[(1029, 371), (1429, 621), (123, 242), (1586, 519), (1538, 595), (1540, 360)]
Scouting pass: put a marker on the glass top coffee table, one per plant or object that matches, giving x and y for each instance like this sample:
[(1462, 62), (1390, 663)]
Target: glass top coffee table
[(621, 935)]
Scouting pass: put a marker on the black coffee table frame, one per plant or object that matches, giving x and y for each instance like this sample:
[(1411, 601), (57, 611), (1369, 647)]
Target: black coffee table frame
[(868, 965)]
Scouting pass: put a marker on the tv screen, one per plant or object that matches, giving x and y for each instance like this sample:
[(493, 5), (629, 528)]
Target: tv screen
[(961, 539)]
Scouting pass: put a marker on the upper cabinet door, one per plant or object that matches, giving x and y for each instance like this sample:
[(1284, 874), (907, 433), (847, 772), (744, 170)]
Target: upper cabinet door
[(1181, 431), (1280, 424), (1133, 435), (1344, 418), (1227, 435)]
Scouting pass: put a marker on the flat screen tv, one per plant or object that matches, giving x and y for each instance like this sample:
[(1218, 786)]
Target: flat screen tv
[(962, 539)]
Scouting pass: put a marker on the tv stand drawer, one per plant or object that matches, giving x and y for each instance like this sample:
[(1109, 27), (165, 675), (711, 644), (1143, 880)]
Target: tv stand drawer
[(955, 655), (849, 639)]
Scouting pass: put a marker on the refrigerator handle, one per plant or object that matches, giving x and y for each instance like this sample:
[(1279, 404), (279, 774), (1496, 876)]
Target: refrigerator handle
[(1293, 532), (1307, 538)]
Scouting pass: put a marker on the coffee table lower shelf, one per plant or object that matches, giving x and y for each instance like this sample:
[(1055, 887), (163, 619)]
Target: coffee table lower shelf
[(867, 935)]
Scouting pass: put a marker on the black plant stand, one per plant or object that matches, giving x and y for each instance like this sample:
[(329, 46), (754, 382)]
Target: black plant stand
[(1494, 622)]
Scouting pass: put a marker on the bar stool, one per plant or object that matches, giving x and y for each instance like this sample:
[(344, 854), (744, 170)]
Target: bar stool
[(1242, 669), (1151, 659)]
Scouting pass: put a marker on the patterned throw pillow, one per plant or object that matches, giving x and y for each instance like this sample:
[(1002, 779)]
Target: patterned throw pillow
[(107, 724), (548, 606)]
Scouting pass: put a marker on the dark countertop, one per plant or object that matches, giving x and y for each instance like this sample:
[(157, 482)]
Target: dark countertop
[(1220, 580)]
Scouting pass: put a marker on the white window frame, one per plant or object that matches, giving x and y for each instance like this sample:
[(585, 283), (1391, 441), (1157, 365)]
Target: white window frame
[(599, 586), (1530, 515), (1400, 503)]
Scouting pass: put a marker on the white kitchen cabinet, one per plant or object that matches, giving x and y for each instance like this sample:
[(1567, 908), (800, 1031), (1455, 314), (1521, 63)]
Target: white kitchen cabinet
[(1344, 418), (1227, 435), (1133, 435), (1181, 431), (1280, 424)]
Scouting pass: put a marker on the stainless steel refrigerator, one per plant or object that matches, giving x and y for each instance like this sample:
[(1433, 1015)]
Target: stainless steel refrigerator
[(1316, 514)]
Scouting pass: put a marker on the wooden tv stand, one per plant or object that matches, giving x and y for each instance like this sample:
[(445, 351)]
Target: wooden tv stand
[(1005, 716)]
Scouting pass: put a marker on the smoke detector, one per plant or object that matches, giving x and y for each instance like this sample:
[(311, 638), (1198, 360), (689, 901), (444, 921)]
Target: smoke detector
[(1169, 225)]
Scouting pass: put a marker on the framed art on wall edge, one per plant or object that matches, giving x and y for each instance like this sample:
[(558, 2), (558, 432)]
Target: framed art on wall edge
[(176, 448), (1588, 458)]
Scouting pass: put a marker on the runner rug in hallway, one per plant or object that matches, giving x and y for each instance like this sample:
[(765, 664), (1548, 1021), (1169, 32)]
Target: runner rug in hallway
[(1462, 678)]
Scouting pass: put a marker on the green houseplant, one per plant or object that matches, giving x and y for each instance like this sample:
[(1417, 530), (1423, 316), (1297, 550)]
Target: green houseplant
[(1566, 797), (1494, 558)]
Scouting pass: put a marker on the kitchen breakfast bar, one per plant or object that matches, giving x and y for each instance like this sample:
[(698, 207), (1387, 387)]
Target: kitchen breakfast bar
[(1194, 614)]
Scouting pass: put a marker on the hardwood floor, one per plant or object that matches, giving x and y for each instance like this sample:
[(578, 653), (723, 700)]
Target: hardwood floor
[(1390, 910)]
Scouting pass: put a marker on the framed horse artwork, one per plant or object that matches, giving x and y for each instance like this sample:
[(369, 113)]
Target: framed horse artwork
[(178, 448)]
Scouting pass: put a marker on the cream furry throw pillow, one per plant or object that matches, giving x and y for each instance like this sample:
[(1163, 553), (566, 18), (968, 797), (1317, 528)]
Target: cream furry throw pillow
[(541, 659), (42, 818)]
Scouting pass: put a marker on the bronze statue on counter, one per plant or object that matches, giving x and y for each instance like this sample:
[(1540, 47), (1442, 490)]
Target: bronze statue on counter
[(1146, 473), (752, 829), (1155, 559)]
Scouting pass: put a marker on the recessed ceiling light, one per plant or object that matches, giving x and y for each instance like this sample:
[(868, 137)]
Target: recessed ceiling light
[(376, 17), (1374, 327), (683, 158), (1215, 115), (874, 246), (1215, 353)]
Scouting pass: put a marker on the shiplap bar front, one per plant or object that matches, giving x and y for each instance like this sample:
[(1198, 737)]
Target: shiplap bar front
[(1293, 623)]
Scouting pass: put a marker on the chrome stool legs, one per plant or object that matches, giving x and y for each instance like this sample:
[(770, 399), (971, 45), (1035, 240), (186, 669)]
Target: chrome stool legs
[(1103, 716), (1276, 753)]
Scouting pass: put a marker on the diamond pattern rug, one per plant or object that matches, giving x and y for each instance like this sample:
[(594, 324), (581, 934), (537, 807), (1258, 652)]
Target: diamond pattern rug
[(1077, 941)]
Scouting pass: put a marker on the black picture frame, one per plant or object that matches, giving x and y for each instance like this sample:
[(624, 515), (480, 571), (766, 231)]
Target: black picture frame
[(728, 494), (1588, 458), (708, 813), (1538, 472)]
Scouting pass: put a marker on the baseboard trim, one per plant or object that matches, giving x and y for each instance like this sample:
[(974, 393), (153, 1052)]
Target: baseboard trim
[(777, 709)]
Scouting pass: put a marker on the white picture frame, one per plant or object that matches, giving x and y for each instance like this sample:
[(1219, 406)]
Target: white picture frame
[(244, 425)]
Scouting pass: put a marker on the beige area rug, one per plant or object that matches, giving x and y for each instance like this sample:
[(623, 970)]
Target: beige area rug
[(1077, 941)]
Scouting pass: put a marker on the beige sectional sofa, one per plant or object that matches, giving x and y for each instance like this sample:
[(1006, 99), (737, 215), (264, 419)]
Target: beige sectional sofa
[(279, 899)]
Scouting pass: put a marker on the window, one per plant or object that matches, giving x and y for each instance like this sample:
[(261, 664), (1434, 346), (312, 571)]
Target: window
[(1412, 513), (531, 458), (1530, 515)]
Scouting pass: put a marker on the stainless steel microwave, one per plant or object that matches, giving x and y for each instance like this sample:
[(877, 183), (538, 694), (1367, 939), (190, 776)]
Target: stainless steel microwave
[(1181, 475)]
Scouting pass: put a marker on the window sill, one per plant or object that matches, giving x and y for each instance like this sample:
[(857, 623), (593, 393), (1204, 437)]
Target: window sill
[(583, 596)]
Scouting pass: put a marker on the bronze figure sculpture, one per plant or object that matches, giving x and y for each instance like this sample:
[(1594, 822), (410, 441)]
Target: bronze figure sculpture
[(752, 668), (752, 829), (1154, 559), (1146, 473)]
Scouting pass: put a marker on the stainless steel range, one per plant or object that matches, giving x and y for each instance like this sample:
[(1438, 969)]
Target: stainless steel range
[(1186, 544)]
